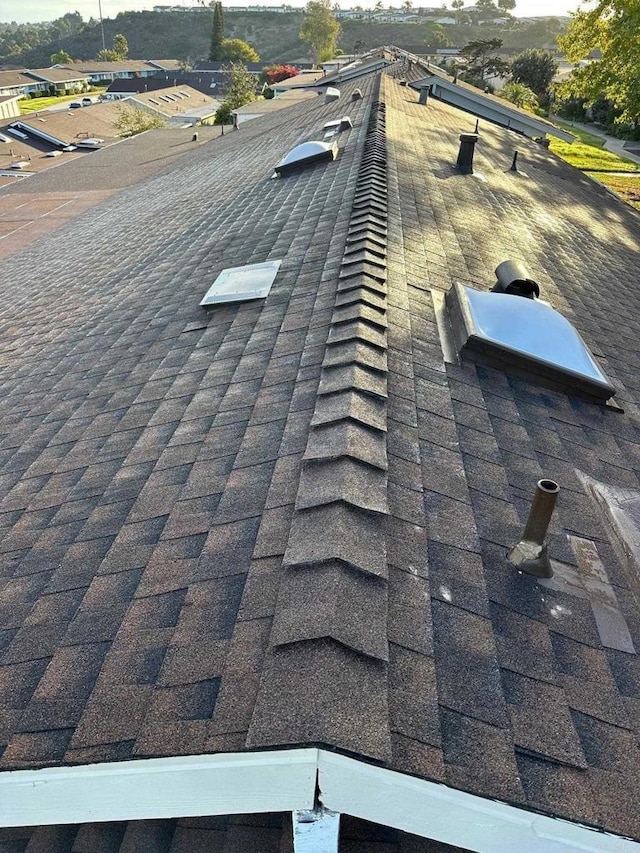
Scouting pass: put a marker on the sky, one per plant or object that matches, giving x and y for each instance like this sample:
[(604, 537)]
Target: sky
[(48, 10)]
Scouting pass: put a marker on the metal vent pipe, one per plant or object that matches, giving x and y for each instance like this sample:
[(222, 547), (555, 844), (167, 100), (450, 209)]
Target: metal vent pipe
[(513, 278), (530, 554), (465, 154)]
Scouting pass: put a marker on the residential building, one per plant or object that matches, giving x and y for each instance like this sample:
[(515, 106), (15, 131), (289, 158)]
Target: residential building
[(259, 585)]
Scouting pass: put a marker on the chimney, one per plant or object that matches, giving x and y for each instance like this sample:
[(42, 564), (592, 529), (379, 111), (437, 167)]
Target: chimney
[(465, 154)]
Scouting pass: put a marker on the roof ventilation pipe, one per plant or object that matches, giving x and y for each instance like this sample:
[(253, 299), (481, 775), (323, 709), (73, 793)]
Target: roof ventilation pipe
[(465, 154), (530, 554), (514, 279), (331, 94), (356, 95), (424, 96)]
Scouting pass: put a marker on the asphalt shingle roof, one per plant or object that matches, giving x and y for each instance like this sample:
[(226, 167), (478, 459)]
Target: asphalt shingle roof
[(285, 522)]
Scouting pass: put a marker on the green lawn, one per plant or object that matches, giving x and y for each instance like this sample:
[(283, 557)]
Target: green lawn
[(627, 188), (31, 105), (582, 135), (588, 158)]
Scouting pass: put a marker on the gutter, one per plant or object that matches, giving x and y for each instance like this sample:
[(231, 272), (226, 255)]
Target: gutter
[(295, 780)]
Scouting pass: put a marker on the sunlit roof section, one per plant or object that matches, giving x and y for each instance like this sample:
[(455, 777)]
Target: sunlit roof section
[(238, 284)]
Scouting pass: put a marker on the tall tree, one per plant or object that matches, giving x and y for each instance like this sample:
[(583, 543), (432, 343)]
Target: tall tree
[(121, 46), (506, 6), (217, 33), (482, 61), (319, 30), (611, 28), (536, 69), (241, 85), (61, 57), (236, 50)]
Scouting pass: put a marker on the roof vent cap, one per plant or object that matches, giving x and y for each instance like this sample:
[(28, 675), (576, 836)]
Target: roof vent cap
[(515, 280), (307, 152), (338, 124), (331, 94)]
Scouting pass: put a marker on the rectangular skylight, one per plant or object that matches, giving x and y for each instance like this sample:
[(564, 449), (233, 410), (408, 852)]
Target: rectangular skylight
[(237, 284)]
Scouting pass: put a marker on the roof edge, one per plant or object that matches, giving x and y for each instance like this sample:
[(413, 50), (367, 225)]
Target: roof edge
[(489, 109), (285, 780)]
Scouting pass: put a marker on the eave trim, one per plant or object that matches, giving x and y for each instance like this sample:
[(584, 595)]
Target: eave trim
[(285, 780)]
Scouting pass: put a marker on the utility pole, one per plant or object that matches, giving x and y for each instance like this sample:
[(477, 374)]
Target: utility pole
[(104, 47)]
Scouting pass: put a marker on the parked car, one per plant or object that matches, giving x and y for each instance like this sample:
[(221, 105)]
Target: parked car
[(86, 102), (75, 105)]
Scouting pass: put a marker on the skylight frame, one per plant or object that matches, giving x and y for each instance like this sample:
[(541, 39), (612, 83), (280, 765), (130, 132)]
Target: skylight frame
[(241, 284)]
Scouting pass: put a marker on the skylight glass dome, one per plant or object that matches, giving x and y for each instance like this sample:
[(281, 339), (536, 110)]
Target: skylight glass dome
[(307, 152)]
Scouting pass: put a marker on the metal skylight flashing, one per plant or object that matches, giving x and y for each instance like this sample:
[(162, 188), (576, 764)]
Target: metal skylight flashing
[(528, 336)]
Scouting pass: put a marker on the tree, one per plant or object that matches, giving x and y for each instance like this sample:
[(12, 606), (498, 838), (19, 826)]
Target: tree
[(61, 58), (236, 50), (611, 28), (536, 69), (120, 46), (506, 6), (520, 95), (118, 51), (217, 33), (131, 121), (107, 55), (436, 34), (319, 30), (481, 61), (457, 5), (241, 85)]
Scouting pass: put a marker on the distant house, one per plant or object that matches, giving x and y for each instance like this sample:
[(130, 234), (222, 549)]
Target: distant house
[(266, 448), (104, 72), (60, 80), (19, 83), (180, 105)]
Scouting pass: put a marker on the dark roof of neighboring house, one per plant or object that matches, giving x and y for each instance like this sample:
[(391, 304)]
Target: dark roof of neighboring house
[(285, 522), (201, 82)]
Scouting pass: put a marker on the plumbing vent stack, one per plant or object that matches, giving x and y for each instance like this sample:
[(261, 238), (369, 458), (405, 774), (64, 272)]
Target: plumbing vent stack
[(465, 154), (424, 96), (530, 554), (514, 279), (514, 165)]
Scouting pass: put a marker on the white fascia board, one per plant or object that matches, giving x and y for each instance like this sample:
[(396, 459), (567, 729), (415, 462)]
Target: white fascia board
[(435, 811), (155, 788), (285, 781)]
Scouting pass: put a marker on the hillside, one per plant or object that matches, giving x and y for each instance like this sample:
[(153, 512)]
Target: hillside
[(184, 35)]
